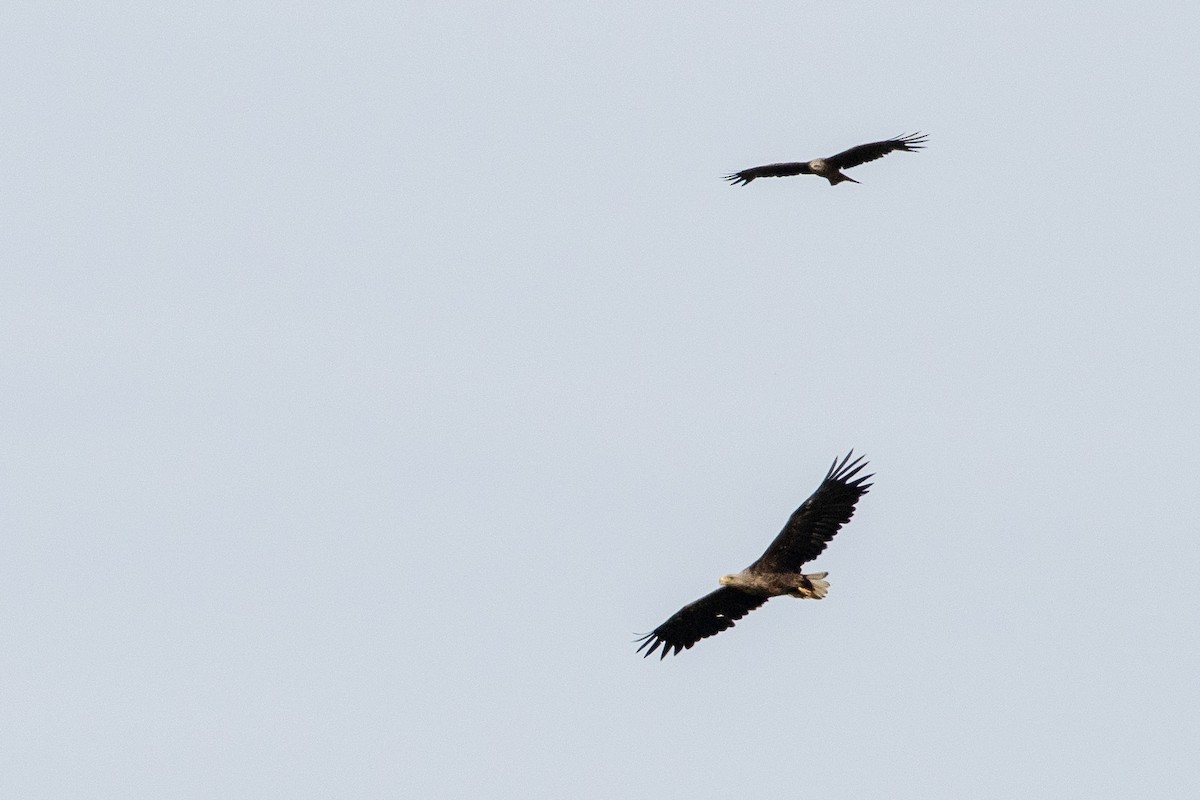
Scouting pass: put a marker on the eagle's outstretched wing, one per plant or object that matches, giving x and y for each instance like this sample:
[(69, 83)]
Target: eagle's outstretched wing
[(769, 171), (869, 152), (815, 522), (706, 617)]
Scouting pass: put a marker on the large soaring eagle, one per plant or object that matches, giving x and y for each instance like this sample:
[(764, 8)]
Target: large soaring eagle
[(830, 168), (777, 571)]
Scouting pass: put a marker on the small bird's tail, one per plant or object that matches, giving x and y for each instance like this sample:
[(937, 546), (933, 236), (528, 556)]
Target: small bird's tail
[(812, 587)]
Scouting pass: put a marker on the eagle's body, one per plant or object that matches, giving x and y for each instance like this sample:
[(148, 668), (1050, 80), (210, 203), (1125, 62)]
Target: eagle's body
[(777, 571), (773, 584), (831, 168)]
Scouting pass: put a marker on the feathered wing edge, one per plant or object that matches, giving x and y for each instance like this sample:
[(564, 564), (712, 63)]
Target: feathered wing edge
[(781, 170), (813, 525), (708, 616), (855, 156)]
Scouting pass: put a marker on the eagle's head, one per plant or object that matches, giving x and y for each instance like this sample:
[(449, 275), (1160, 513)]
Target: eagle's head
[(817, 165), (726, 580)]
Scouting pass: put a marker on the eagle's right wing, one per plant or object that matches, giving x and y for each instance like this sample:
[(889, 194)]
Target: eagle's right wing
[(706, 617), (769, 171)]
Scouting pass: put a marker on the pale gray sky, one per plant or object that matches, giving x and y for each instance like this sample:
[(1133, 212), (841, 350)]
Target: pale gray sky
[(374, 372)]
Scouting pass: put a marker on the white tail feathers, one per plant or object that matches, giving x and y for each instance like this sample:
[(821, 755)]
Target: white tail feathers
[(812, 586)]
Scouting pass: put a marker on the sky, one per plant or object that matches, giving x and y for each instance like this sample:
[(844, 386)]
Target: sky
[(375, 373)]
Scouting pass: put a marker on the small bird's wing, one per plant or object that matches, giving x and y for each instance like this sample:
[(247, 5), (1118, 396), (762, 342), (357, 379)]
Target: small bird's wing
[(706, 617), (813, 524), (869, 152), (769, 171)]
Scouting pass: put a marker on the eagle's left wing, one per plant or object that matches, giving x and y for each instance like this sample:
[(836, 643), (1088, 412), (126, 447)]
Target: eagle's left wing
[(813, 524), (869, 152), (706, 617)]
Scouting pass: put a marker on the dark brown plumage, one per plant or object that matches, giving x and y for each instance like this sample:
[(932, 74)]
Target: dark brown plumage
[(810, 528), (830, 168)]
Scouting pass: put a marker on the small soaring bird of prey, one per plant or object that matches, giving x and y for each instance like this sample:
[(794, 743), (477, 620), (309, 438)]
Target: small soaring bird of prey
[(777, 571), (830, 168)]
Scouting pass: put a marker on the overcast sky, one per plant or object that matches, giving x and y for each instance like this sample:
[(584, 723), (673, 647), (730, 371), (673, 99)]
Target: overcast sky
[(375, 372)]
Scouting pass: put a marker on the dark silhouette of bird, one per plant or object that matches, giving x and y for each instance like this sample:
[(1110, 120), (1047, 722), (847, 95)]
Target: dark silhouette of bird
[(830, 168), (777, 571)]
